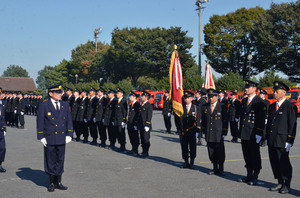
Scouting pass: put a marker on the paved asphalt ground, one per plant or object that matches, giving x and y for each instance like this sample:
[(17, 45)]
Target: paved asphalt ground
[(92, 171)]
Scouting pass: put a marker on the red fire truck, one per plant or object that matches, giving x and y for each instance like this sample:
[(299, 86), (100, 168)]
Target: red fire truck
[(294, 97)]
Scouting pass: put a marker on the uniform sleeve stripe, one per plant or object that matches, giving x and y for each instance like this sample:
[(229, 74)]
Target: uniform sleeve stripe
[(260, 129), (291, 136)]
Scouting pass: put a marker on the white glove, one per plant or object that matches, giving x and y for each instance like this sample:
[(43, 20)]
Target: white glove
[(169, 114), (135, 128), (94, 120), (112, 123), (4, 133), (236, 120), (266, 121), (197, 134), (84, 120), (223, 137), (68, 139), (288, 146), (147, 129), (22, 113), (44, 142), (258, 138), (102, 120), (123, 125), (15, 111), (266, 142)]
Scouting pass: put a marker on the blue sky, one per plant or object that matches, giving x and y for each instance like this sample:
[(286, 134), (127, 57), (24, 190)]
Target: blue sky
[(35, 33)]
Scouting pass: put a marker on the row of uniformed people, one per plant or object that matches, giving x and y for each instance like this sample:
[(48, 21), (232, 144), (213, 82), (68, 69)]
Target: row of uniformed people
[(275, 126), (100, 113)]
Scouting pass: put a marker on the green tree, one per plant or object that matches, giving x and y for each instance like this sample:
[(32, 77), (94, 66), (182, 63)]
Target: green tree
[(59, 74), (191, 79), (146, 83), (269, 77), (15, 71), (277, 37), (229, 42), (137, 52), (230, 81), (41, 79), (126, 85)]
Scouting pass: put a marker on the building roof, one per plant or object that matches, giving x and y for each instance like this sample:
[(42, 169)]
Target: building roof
[(17, 84)]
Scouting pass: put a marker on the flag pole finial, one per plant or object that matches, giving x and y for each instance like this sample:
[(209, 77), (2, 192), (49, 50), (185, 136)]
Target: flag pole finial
[(207, 62), (175, 47)]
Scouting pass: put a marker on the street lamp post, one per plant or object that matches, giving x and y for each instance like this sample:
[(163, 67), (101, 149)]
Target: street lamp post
[(96, 32), (249, 57), (76, 76), (200, 7)]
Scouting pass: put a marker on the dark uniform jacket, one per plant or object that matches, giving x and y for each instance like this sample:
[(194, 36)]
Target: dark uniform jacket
[(91, 109), (282, 124), (54, 125), (21, 106), (82, 110), (252, 118), (145, 116), (109, 110), (202, 101), (2, 121), (133, 115), (120, 112), (4, 105), (8, 104), (100, 111), (215, 124), (234, 110), (191, 122), (75, 107), (224, 101), (14, 104), (167, 108), (70, 101), (267, 104)]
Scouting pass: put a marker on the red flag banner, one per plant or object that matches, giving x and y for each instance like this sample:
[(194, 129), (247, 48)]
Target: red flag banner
[(176, 91), (208, 80)]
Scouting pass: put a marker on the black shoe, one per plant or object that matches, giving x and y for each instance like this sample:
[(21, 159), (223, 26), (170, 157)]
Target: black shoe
[(144, 155), (112, 147), (103, 145), (185, 165), (22, 127), (284, 189), (85, 141), (93, 143), (253, 181), (135, 154), (77, 139), (245, 179), (59, 185), (199, 142), (276, 187), (2, 170), (51, 187)]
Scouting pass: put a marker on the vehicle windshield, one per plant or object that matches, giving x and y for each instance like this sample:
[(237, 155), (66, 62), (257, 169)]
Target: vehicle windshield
[(292, 95), (158, 97)]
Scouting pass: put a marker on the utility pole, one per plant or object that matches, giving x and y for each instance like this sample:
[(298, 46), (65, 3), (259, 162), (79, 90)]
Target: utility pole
[(200, 7), (96, 32)]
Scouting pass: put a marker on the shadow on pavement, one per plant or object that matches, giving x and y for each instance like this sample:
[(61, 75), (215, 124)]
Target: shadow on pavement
[(38, 177), (165, 161), (171, 139)]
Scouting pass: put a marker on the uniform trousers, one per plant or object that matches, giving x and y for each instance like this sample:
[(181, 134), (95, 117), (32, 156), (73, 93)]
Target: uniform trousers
[(167, 121), (54, 158), (121, 135), (234, 130), (2, 148), (188, 145), (216, 152), (93, 130), (21, 119), (280, 163), (133, 137), (145, 140), (251, 153), (102, 131), (112, 135)]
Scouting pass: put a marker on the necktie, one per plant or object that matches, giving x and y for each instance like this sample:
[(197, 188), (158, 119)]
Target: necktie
[(56, 104), (248, 101), (277, 106), (212, 108), (187, 109)]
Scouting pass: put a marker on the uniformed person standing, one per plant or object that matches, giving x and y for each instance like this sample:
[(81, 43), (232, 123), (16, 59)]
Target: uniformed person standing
[(251, 131), (132, 123), (144, 123), (281, 132), (100, 112), (234, 116), (190, 126), (167, 111), (222, 97), (200, 100), (91, 115), (120, 115), (9, 111), (108, 118), (262, 95), (74, 112), (14, 106), (54, 130), (21, 110), (81, 117), (2, 134), (215, 124)]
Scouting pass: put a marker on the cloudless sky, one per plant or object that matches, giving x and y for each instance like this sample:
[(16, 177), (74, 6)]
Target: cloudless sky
[(35, 33)]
